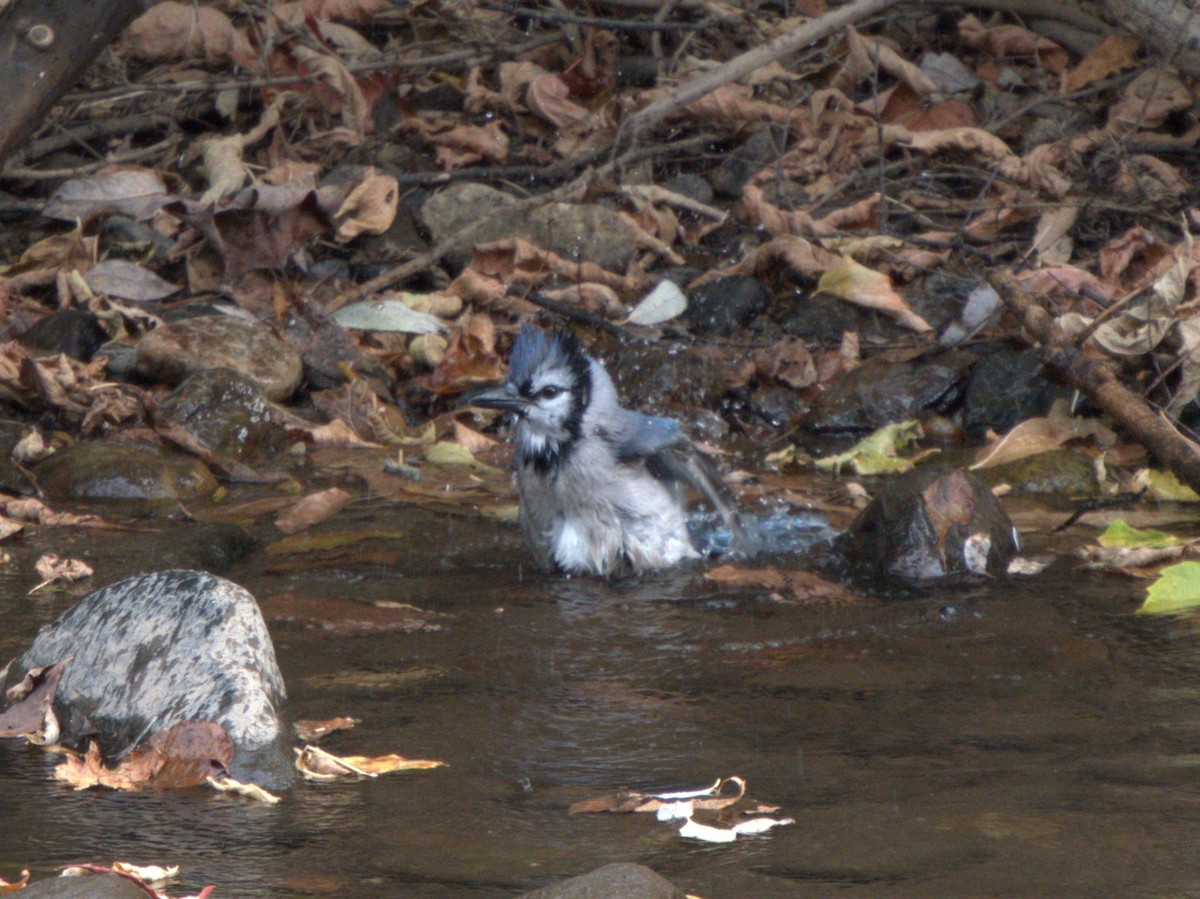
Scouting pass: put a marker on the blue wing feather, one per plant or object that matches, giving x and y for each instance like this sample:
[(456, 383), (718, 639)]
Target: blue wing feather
[(638, 436)]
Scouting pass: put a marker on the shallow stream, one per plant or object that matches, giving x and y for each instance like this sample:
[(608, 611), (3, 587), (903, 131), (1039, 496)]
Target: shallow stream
[(1024, 737)]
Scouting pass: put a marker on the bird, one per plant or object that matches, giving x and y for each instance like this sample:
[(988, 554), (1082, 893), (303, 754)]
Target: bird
[(602, 488)]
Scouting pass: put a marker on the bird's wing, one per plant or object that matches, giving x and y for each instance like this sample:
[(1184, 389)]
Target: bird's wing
[(670, 456)]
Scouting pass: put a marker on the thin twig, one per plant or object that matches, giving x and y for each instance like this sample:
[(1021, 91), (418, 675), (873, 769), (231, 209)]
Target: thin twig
[(741, 66), (614, 24)]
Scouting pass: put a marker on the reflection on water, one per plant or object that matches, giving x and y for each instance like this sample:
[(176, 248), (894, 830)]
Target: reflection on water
[(1024, 738)]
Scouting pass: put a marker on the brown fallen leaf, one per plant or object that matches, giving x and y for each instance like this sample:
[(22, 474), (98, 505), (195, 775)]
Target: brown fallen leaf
[(311, 731), (51, 568), (313, 509), (315, 763), (31, 702), (185, 755), (792, 586), (714, 797), (6, 887)]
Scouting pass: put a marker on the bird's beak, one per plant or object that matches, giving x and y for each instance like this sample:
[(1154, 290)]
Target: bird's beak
[(501, 398)]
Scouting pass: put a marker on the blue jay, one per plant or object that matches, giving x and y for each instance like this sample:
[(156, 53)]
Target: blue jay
[(601, 487)]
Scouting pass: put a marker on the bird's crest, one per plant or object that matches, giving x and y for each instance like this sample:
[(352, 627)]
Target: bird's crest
[(534, 349)]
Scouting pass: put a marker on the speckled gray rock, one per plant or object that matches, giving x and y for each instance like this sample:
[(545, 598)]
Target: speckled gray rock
[(92, 886), (622, 879), (151, 651), (586, 232), (174, 350)]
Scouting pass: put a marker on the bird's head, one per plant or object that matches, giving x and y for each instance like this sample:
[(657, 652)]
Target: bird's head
[(548, 388)]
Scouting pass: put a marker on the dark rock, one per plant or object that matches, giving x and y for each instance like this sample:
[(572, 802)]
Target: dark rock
[(1057, 473), (636, 71), (824, 319), (726, 304), (778, 406), (174, 350), (879, 392), (1006, 387), (762, 147), (224, 411), (623, 879), (154, 650), (691, 186), (104, 470), (208, 545), (924, 524), (440, 98), (91, 886), (74, 332), (12, 479)]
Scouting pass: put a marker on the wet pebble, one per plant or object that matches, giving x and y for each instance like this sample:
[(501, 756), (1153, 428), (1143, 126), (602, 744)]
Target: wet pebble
[(174, 350), (1006, 386), (761, 148), (105, 470)]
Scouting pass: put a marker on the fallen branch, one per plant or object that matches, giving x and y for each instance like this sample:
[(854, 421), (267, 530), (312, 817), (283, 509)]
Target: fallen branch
[(1148, 426), (741, 66)]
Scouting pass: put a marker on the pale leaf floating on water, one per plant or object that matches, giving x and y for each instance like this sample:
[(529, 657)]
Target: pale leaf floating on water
[(663, 303), (695, 831), (151, 875), (674, 810), (315, 763), (250, 791), (752, 826)]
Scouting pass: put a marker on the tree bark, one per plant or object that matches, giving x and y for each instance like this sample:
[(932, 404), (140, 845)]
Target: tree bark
[(45, 47)]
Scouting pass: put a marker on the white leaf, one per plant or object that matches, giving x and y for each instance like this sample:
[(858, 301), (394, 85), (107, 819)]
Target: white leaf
[(672, 810), (662, 304), (760, 825), (708, 834)]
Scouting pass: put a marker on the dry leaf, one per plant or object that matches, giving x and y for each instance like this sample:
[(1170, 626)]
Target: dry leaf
[(850, 280), (313, 509)]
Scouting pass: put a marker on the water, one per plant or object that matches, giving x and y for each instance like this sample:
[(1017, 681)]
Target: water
[(1023, 737)]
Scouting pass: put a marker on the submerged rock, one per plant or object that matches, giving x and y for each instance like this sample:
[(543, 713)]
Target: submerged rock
[(174, 350), (151, 651), (928, 523), (103, 470), (624, 879)]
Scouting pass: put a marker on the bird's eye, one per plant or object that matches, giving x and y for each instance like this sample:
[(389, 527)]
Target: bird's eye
[(549, 392)]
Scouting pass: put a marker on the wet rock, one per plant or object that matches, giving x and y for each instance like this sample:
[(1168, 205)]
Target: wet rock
[(224, 411), (726, 304), (824, 318), (1006, 387), (778, 406), (584, 231), (208, 545), (637, 71), (104, 470), (1056, 473), (691, 186), (74, 332), (879, 392), (92, 886), (761, 148), (623, 879), (151, 651), (174, 350), (928, 523)]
